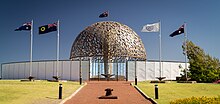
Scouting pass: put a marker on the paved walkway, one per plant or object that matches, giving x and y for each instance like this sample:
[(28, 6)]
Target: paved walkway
[(126, 94)]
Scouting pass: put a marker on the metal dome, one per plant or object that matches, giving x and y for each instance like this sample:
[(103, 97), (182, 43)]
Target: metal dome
[(110, 41)]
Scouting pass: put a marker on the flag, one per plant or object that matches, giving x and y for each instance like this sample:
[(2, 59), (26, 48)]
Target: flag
[(48, 28), (104, 14), (177, 32), (155, 27), (26, 26)]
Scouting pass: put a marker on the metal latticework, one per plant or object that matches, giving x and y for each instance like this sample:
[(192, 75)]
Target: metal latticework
[(108, 41)]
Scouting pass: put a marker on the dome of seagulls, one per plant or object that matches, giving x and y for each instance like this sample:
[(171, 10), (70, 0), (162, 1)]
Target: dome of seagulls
[(108, 39)]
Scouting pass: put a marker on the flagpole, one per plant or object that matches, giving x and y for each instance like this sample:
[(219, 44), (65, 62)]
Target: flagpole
[(58, 36), (185, 39), (160, 49), (31, 48)]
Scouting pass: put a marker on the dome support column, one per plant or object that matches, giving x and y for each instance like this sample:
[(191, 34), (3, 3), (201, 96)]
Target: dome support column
[(80, 71), (98, 68), (106, 69), (126, 61)]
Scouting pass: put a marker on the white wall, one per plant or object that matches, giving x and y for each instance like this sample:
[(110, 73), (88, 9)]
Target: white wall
[(131, 70), (141, 70), (75, 70), (85, 70), (150, 70), (69, 70), (42, 70), (66, 70)]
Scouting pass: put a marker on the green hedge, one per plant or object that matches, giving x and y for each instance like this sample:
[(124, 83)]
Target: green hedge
[(197, 100)]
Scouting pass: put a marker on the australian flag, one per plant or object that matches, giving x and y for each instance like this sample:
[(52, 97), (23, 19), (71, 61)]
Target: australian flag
[(104, 14), (48, 28), (26, 26), (177, 32)]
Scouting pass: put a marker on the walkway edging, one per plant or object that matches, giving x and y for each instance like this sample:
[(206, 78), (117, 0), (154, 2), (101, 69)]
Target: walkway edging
[(75, 92), (144, 95)]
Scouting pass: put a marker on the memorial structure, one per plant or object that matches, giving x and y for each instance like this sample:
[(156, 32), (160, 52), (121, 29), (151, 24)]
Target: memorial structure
[(105, 50), (109, 43)]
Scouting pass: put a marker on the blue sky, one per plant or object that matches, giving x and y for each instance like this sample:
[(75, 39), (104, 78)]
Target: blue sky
[(202, 18)]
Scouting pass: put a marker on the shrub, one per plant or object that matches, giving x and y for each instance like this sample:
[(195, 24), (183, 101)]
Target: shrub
[(197, 100), (203, 67)]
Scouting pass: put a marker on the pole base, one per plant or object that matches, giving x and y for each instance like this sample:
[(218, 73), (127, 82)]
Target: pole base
[(135, 81), (31, 78), (80, 81)]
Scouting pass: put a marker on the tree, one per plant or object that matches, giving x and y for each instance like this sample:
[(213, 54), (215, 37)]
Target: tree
[(203, 67)]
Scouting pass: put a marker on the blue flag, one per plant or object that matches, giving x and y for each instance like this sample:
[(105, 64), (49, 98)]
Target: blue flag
[(26, 26), (178, 31)]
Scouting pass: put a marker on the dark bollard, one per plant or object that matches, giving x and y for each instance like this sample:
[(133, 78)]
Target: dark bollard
[(135, 81), (80, 80), (60, 91), (156, 92)]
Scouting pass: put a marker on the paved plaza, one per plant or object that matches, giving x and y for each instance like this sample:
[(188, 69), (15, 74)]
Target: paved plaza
[(126, 94)]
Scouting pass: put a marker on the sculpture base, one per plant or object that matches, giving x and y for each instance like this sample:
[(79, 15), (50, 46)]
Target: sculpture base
[(56, 77), (160, 78), (108, 97)]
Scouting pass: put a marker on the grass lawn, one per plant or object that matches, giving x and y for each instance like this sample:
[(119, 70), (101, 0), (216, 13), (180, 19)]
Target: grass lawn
[(37, 92), (173, 90)]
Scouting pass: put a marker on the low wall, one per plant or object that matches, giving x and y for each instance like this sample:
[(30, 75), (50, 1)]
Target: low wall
[(69, 70)]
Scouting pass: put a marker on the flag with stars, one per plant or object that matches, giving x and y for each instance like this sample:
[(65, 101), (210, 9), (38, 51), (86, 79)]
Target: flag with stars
[(178, 31), (25, 26), (48, 28), (104, 14)]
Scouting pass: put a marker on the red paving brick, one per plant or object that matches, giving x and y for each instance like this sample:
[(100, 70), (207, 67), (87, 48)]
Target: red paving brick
[(126, 94)]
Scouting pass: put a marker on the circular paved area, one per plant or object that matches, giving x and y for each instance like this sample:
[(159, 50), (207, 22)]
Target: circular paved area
[(123, 90)]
